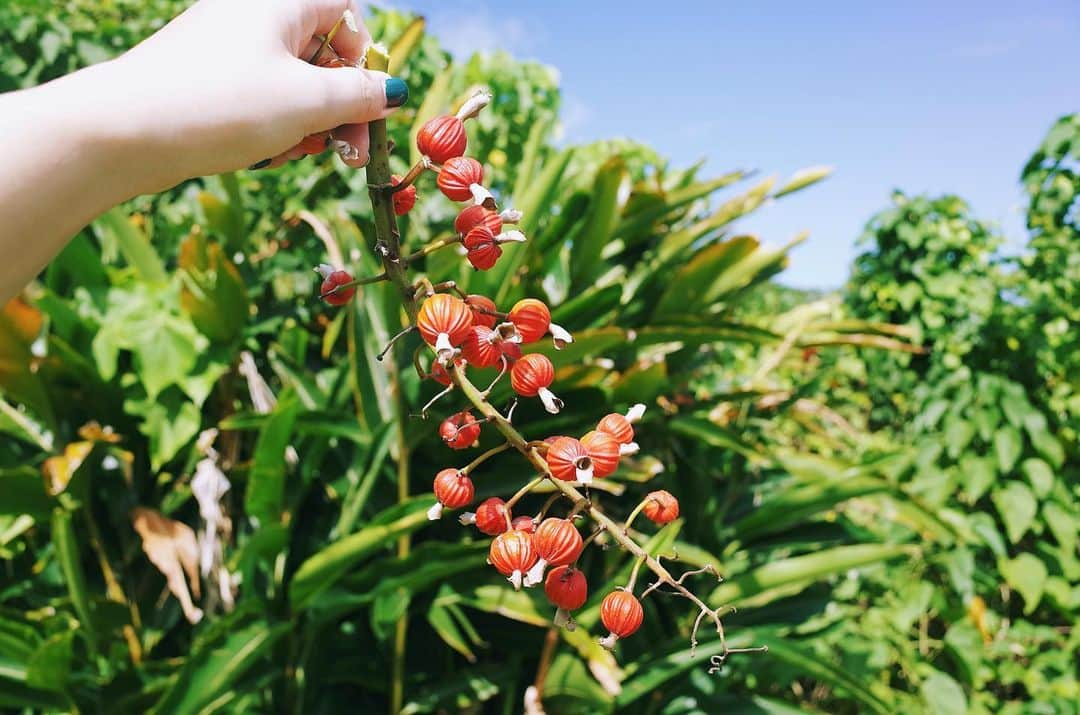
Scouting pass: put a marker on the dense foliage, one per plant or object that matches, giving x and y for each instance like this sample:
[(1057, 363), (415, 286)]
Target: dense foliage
[(921, 560)]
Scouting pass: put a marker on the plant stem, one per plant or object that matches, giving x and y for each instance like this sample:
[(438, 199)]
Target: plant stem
[(432, 247), (467, 469)]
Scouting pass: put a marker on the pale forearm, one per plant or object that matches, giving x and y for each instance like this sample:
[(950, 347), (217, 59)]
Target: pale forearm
[(64, 163)]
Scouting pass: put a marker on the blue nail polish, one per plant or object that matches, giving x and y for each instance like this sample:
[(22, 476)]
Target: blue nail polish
[(260, 165), (397, 92)]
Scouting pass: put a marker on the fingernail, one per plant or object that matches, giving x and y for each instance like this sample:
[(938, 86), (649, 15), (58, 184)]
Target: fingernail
[(260, 165), (397, 92)]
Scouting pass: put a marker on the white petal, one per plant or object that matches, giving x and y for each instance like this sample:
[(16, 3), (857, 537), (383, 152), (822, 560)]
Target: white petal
[(551, 403), (510, 237), (625, 450), (560, 335), (442, 345), (481, 196), (515, 579), (467, 518), (435, 512), (608, 641), (563, 619), (535, 574), (634, 413), (324, 270), (511, 216), (585, 476)]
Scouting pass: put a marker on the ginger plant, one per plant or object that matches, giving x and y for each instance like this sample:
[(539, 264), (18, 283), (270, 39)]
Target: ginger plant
[(462, 332)]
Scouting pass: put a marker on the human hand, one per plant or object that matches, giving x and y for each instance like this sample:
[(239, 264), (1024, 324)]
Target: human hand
[(228, 84)]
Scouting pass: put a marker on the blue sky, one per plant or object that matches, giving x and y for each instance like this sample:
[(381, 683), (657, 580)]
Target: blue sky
[(920, 96)]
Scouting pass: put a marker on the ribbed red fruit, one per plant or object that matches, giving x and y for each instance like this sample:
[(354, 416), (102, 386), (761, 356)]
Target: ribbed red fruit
[(460, 430), (473, 216), (566, 588), (621, 614), (531, 318), (405, 199), (569, 461), (557, 542), (524, 523), (442, 138), (331, 280), (453, 491), (483, 309), (457, 176), (481, 249), (512, 555), (603, 451), (444, 321), (661, 507), (531, 376), (489, 517)]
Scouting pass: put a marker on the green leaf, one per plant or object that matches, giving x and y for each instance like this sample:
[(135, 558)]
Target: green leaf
[(50, 665), (67, 554), (1039, 474), (265, 496), (212, 291), (1065, 526), (115, 226), (640, 221), (1026, 574), (24, 493), (1008, 444), (326, 567), (714, 435), (803, 178), (1017, 507), (796, 505), (1048, 447), (600, 221), (215, 666), (442, 620), (943, 695), (773, 577)]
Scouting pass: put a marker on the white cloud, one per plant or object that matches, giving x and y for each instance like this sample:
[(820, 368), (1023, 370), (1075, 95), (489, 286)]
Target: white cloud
[(479, 31)]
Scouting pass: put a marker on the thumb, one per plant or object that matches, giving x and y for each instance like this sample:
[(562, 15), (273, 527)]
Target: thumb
[(355, 96)]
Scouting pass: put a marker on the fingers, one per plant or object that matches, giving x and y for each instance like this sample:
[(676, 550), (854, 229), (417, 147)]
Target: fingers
[(318, 17), (352, 144), (347, 95)]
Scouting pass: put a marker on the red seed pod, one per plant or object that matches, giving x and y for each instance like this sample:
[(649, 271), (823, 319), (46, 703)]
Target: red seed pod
[(490, 516), (405, 199), (439, 374), (531, 376), (444, 321), (566, 588), (453, 490), (483, 251), (473, 216), (621, 614), (442, 138), (460, 430), (512, 555), (524, 523), (557, 542), (569, 461), (621, 428), (512, 351), (603, 451), (479, 347), (661, 507), (531, 318), (332, 278), (457, 177), (483, 309)]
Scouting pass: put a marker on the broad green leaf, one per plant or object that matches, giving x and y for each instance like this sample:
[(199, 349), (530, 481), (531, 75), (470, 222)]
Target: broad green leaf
[(440, 619), (1026, 574), (943, 695), (792, 506), (1039, 474), (1008, 444), (114, 225), (803, 178), (1064, 525), (1017, 507), (326, 567), (214, 667), (714, 435), (607, 195), (689, 287), (67, 554), (24, 493), (212, 291), (265, 496), (717, 331), (50, 665), (638, 221), (404, 45), (796, 570)]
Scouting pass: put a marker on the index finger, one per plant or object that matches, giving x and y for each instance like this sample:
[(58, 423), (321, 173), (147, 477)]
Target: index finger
[(352, 38)]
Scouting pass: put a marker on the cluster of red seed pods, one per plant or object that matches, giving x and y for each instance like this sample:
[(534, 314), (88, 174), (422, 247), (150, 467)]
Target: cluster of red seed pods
[(469, 332)]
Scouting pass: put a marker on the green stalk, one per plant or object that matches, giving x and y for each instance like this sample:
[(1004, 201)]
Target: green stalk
[(388, 249)]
